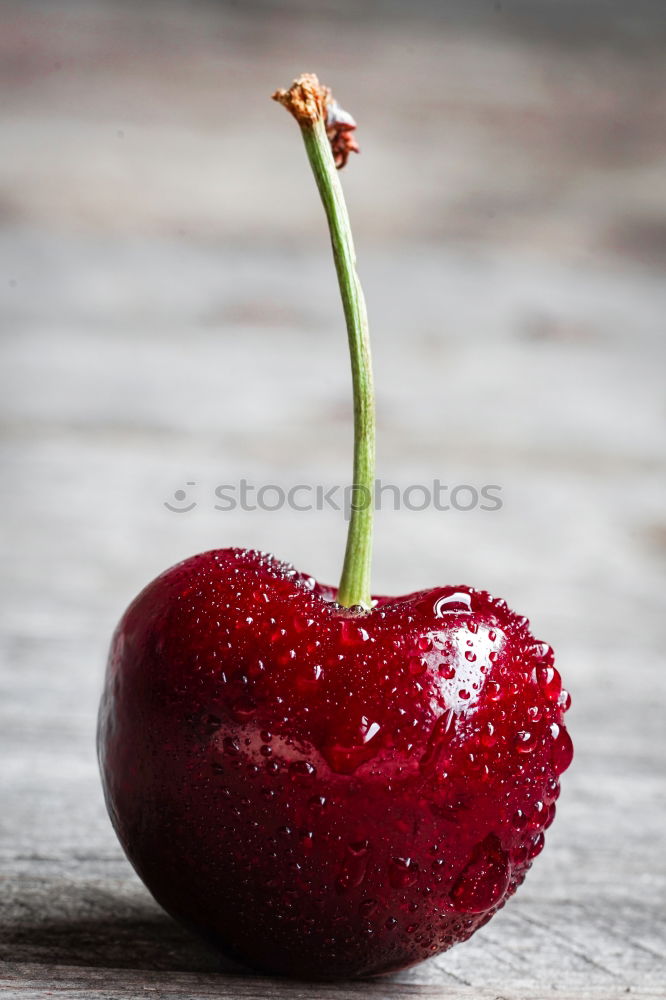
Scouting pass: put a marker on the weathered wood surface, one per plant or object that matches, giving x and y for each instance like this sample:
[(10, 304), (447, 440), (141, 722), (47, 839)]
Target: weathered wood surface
[(169, 316)]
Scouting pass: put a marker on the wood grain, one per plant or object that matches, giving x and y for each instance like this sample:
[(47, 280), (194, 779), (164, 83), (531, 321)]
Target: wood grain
[(169, 316)]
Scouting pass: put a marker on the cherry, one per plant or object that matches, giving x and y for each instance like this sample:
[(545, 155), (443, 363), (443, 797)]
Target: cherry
[(323, 784), (321, 791)]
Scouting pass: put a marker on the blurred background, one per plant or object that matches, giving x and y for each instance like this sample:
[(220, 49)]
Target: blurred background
[(170, 317)]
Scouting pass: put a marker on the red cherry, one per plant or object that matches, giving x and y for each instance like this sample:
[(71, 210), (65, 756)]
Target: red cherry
[(289, 784), (323, 790)]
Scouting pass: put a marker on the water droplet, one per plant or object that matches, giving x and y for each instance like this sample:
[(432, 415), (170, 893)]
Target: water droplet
[(524, 741), (371, 730), (344, 758), (351, 633), (455, 603), (488, 735), (390, 923), (302, 768), (519, 820), (354, 866), (469, 655), (447, 670), (564, 700), (484, 880), (403, 873), (302, 622), (493, 691), (539, 813), (309, 674), (550, 682), (317, 802), (416, 665), (243, 709), (256, 668), (368, 907), (552, 809), (464, 694), (536, 846), (424, 643), (543, 652), (231, 746), (519, 855), (562, 751), (438, 739)]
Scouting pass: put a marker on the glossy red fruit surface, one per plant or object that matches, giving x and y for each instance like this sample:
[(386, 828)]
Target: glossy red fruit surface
[(322, 792)]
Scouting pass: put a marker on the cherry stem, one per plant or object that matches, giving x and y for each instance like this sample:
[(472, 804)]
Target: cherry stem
[(308, 102)]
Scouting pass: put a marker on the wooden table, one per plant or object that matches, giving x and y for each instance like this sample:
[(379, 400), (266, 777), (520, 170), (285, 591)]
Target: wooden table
[(170, 317)]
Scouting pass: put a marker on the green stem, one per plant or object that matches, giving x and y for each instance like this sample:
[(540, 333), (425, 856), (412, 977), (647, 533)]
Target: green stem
[(355, 580)]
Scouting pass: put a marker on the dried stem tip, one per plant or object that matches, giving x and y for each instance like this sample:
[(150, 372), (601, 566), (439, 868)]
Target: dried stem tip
[(309, 101), (306, 99)]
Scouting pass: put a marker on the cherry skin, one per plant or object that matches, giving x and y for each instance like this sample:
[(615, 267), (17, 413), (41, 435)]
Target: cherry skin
[(323, 792)]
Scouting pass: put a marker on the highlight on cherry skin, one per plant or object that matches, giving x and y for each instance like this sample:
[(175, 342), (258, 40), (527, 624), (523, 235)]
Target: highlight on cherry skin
[(326, 792)]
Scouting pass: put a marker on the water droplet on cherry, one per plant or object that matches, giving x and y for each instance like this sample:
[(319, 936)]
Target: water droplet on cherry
[(484, 880), (302, 622), (536, 847), (524, 741), (455, 603), (543, 652), (488, 735), (351, 634), (354, 866), (243, 709), (564, 700), (550, 682), (493, 691), (562, 751), (231, 746), (403, 873), (344, 758), (302, 768), (519, 820)]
